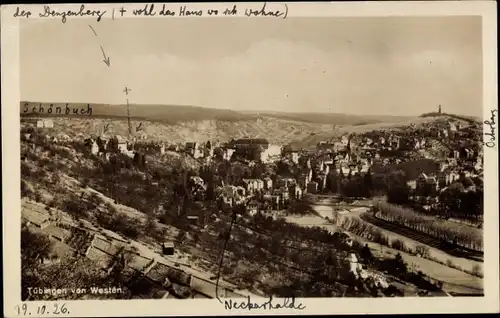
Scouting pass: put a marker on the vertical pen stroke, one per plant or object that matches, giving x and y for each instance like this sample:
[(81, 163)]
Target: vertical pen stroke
[(222, 256), (93, 30)]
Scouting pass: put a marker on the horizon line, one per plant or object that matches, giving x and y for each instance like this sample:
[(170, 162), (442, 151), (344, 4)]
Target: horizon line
[(254, 111)]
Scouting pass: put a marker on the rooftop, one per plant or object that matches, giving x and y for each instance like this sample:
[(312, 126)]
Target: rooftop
[(105, 245), (138, 262), (57, 232), (206, 287), (101, 258), (34, 213), (250, 141)]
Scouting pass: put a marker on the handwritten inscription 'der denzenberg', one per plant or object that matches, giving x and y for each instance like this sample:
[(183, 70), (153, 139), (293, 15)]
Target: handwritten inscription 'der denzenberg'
[(150, 10)]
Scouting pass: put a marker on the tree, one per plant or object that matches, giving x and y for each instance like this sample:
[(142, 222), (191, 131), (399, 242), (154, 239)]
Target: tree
[(366, 254), (112, 145), (451, 198), (101, 144), (181, 236), (118, 262), (398, 190), (71, 272), (150, 226), (139, 160), (257, 171), (210, 192), (331, 181), (399, 263), (368, 183), (34, 247), (25, 190)]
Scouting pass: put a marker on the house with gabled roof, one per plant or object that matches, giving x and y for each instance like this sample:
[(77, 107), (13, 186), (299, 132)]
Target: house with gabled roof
[(34, 214), (252, 207)]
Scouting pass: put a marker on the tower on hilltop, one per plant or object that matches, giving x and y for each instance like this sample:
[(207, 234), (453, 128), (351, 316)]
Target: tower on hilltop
[(439, 110)]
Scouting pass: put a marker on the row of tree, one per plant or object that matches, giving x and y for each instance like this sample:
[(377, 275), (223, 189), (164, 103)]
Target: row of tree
[(462, 235), (367, 185)]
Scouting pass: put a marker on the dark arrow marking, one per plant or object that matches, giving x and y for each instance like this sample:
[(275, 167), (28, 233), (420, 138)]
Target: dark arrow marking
[(138, 128), (106, 58), (93, 30), (106, 128)]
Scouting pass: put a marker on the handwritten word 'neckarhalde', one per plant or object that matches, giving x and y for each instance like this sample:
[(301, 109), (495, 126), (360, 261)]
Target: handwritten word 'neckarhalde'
[(492, 125), (287, 303), (48, 13), (57, 110)]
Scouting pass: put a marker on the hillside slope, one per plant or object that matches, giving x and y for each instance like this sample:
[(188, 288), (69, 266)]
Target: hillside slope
[(275, 130)]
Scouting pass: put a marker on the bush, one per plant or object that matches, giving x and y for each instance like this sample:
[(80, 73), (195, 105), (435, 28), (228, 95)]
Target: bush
[(398, 245), (124, 225), (476, 271), (76, 208), (25, 190), (423, 251), (364, 230)]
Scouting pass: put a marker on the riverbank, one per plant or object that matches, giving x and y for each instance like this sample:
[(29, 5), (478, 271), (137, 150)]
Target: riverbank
[(455, 281)]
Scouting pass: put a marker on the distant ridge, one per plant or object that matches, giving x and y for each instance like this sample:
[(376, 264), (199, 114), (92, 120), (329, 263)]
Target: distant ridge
[(172, 114), (333, 118), (469, 119), (169, 114)]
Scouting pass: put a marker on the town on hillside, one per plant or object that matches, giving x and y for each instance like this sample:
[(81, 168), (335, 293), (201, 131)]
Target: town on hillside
[(388, 212)]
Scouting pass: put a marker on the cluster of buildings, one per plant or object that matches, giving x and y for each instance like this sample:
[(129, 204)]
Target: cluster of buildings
[(250, 149), (298, 171), (307, 171)]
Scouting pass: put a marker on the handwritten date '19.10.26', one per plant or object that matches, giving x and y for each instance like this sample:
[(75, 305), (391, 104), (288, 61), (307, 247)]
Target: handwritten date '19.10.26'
[(49, 310)]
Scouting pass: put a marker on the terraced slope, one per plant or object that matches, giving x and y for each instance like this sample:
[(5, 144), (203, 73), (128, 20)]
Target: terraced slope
[(275, 130)]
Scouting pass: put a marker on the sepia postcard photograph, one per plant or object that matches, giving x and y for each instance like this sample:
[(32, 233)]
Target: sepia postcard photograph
[(220, 159)]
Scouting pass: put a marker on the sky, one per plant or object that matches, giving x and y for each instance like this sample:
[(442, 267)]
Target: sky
[(374, 66)]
